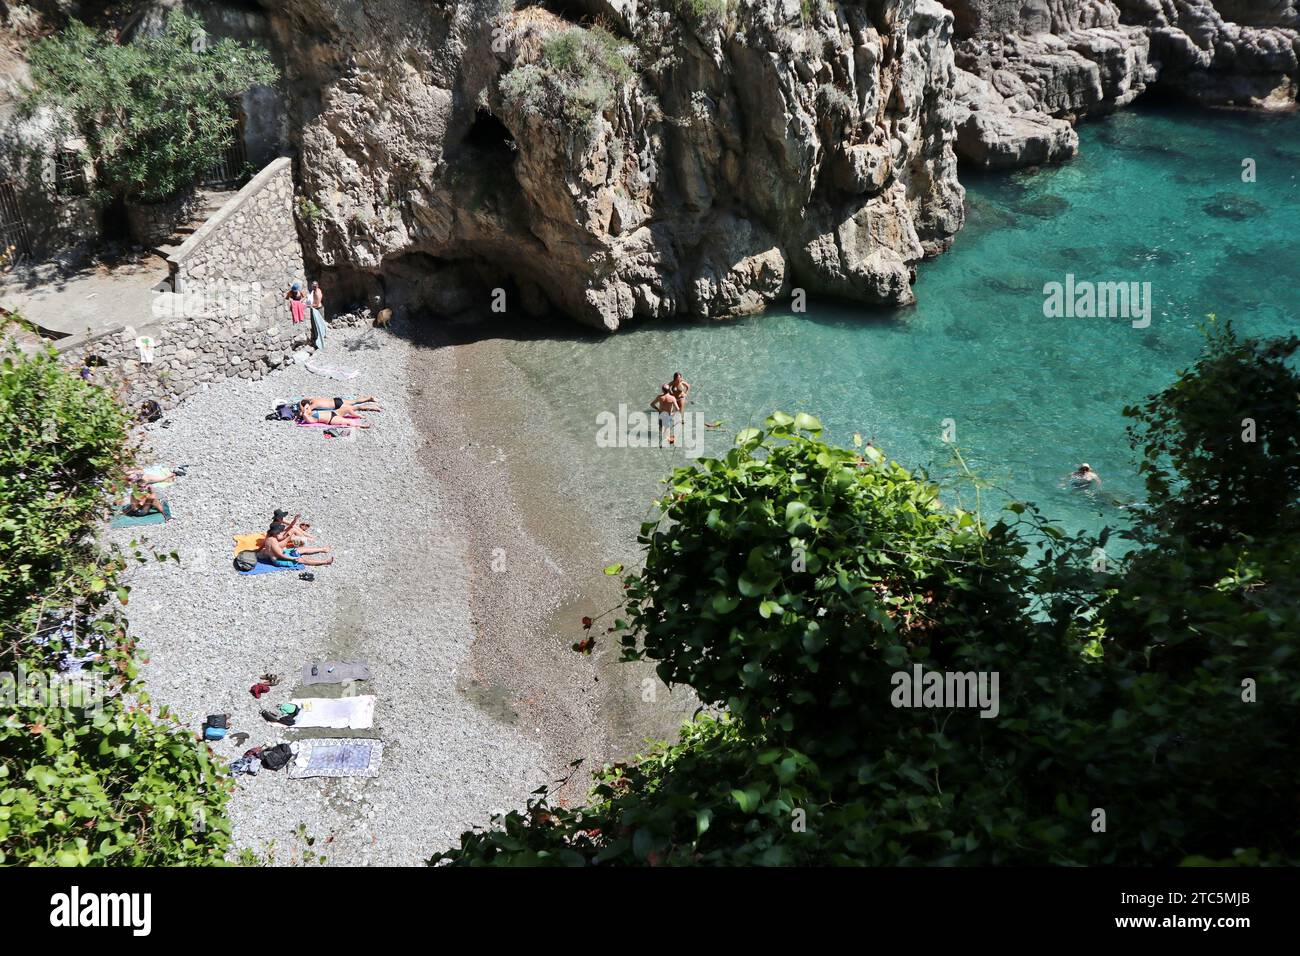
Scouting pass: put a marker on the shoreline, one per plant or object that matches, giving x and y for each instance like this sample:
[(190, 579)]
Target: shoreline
[(480, 699)]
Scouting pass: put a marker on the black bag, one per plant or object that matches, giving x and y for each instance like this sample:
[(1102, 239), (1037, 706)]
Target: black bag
[(245, 560), (218, 721), (276, 757), (150, 411), (286, 413)]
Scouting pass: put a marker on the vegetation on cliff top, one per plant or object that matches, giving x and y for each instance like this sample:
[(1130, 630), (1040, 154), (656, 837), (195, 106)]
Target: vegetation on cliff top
[(575, 78), (1146, 703)]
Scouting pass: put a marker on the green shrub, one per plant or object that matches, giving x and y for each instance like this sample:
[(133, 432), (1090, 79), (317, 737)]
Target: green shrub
[(154, 113), (87, 775), (575, 79)]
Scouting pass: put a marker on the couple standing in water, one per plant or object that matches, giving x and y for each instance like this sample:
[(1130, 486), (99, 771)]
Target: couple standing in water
[(669, 403)]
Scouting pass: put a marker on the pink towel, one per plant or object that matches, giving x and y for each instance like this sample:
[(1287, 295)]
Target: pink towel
[(299, 309)]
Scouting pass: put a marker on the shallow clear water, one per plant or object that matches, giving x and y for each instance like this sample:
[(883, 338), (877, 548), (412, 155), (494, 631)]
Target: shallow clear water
[(1156, 195)]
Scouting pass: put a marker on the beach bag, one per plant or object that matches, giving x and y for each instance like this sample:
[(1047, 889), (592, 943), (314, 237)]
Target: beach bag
[(245, 560), (276, 757), (150, 411), (283, 413), (218, 720), (214, 733)]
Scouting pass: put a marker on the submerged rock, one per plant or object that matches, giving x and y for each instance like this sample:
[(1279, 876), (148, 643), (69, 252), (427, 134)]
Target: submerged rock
[(1232, 206)]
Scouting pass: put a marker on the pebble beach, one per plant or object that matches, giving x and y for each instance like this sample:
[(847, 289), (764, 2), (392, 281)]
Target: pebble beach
[(445, 582)]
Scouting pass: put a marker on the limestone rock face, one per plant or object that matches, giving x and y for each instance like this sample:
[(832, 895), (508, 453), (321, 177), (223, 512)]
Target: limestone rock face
[(1046, 60), (682, 164), (1225, 52)]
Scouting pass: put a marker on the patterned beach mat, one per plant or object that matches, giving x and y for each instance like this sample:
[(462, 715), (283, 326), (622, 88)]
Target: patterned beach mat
[(337, 757)]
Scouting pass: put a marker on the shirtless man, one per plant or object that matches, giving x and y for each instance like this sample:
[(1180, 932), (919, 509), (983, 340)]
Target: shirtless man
[(666, 405), (1084, 477), (274, 549), (335, 411), (344, 406), (679, 387)]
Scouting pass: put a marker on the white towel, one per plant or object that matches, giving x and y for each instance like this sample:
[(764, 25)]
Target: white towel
[(337, 713)]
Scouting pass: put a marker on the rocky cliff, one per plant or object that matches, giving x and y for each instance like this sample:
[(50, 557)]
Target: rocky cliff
[(634, 159), (694, 160), (1029, 69)]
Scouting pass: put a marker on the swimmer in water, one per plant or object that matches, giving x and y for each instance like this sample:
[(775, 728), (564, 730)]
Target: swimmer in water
[(1084, 477)]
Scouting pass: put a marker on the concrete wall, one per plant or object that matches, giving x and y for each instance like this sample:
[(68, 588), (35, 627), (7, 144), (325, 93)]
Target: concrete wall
[(226, 316)]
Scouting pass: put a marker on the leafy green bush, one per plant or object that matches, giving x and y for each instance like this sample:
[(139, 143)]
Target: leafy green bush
[(575, 78), (154, 113), (1146, 705), (87, 775)]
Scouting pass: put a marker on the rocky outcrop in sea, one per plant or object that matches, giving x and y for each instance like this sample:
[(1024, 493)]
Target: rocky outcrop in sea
[(1029, 69)]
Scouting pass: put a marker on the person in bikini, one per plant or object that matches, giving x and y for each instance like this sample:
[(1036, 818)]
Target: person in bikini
[(679, 387), (298, 532), (666, 405), (336, 411), (144, 500), (275, 548)]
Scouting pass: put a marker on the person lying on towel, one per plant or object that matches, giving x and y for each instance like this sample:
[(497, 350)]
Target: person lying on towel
[(335, 411), (275, 549)]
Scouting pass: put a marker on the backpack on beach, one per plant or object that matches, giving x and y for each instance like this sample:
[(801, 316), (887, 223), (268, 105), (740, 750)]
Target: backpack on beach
[(245, 560), (276, 757), (283, 413)]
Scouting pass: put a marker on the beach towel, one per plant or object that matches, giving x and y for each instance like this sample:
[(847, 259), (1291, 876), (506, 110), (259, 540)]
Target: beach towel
[(318, 326), (330, 371), (263, 568), (334, 672), (122, 520), (299, 309), (337, 757), (249, 542), (336, 713)]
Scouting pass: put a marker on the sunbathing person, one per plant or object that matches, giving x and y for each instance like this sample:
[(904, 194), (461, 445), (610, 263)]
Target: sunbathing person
[(144, 501), (273, 550), (299, 532), (330, 416), (345, 406)]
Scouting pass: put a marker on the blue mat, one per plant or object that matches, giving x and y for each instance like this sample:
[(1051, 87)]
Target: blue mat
[(263, 568), (121, 520)]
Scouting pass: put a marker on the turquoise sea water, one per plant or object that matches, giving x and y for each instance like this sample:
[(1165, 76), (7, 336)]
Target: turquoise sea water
[(1156, 195)]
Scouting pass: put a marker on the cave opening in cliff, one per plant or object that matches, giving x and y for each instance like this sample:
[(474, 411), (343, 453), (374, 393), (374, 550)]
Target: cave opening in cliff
[(488, 134)]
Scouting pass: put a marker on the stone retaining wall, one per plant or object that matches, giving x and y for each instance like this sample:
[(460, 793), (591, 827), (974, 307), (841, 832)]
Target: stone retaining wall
[(226, 316), (250, 240)]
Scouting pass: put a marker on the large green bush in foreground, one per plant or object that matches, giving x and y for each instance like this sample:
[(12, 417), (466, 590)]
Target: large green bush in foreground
[(108, 783), (154, 113), (787, 582)]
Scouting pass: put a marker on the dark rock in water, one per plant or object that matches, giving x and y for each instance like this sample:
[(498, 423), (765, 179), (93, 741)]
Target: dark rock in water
[(1044, 207), (1014, 284), (1157, 343), (961, 332), (1232, 206), (1144, 254)]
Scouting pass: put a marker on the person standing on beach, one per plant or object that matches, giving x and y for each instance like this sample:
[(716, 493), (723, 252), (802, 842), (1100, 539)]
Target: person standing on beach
[(316, 303)]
